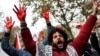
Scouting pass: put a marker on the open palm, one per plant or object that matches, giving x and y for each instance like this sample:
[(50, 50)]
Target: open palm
[(8, 22), (20, 12)]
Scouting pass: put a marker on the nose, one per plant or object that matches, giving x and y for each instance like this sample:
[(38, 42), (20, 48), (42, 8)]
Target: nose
[(58, 37)]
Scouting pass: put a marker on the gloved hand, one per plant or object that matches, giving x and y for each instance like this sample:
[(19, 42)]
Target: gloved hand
[(20, 12), (8, 22)]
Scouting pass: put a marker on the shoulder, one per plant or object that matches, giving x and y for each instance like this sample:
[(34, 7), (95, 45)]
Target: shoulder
[(71, 50), (23, 52)]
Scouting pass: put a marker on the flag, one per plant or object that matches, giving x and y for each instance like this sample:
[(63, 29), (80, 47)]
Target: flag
[(35, 37), (16, 42)]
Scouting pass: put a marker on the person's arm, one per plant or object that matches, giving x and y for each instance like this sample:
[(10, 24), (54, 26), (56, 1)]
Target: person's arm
[(45, 15), (84, 34), (30, 45), (49, 28), (94, 42), (80, 41), (5, 45)]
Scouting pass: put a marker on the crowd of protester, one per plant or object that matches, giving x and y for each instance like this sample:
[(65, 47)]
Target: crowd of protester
[(55, 41)]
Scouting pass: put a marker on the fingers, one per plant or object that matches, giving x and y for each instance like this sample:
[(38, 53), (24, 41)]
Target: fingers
[(15, 11), (13, 23), (16, 7), (7, 18), (23, 7), (8, 22), (10, 18), (19, 6), (5, 21)]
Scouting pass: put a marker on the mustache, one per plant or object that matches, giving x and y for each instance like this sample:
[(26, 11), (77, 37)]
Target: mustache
[(59, 42)]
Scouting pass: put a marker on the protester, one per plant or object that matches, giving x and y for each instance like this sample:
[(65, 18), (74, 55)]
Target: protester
[(86, 50), (95, 43), (90, 48), (6, 46), (45, 15), (57, 38)]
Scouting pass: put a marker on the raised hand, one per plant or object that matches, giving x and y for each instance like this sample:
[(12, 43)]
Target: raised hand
[(45, 14), (96, 4), (8, 22), (20, 12)]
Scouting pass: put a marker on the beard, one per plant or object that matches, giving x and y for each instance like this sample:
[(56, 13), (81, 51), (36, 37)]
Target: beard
[(59, 45)]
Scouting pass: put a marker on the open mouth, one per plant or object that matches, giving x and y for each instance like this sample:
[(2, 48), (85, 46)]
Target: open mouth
[(59, 42)]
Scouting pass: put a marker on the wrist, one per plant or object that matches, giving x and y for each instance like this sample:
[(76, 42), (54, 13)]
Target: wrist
[(47, 20), (23, 24), (7, 34), (49, 24), (22, 21), (8, 30), (94, 13)]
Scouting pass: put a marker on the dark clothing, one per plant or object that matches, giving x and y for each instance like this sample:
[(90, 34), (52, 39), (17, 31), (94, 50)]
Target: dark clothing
[(49, 28), (89, 51), (94, 42), (10, 50)]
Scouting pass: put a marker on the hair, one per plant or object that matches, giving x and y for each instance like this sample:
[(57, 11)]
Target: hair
[(62, 32)]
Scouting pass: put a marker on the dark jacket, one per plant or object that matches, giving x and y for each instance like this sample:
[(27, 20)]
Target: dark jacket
[(94, 42), (49, 28), (10, 50)]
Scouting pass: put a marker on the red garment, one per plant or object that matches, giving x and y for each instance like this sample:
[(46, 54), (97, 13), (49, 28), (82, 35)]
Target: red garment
[(17, 42), (30, 45), (59, 53), (84, 34), (78, 43)]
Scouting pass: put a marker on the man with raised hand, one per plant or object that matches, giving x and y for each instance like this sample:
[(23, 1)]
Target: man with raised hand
[(6, 46), (58, 44)]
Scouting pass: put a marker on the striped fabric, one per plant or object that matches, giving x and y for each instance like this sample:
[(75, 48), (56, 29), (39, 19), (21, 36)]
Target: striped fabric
[(47, 50)]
